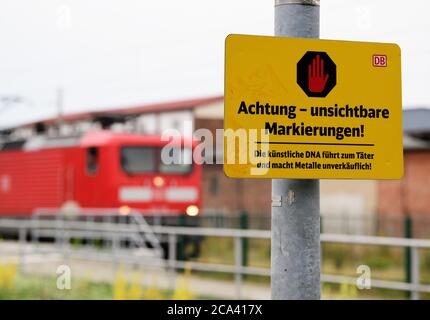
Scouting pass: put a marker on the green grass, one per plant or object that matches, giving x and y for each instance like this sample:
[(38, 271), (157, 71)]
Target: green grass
[(44, 288), (386, 263), (32, 287)]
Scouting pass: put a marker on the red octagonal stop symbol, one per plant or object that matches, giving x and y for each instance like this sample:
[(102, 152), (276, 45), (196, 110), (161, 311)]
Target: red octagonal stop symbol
[(316, 74)]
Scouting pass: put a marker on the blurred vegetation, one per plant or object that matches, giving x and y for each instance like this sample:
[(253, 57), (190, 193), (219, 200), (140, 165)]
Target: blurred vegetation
[(133, 290), (386, 263), (14, 286), (39, 287), (8, 274)]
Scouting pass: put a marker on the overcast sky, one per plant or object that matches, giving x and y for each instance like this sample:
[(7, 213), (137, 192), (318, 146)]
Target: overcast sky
[(112, 53)]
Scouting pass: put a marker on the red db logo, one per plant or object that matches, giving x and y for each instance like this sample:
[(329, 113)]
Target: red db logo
[(379, 60)]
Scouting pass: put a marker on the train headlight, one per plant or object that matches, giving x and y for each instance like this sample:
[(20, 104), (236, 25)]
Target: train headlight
[(192, 211), (158, 182), (124, 210)]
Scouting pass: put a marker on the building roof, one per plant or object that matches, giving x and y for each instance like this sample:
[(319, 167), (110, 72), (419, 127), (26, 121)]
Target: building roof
[(416, 121), (416, 129), (411, 143), (132, 110)]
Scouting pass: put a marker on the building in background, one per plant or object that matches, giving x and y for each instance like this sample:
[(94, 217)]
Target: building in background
[(347, 206), (410, 196)]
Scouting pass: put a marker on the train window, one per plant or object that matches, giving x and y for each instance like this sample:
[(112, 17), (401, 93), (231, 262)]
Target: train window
[(92, 160), (138, 159), (181, 162)]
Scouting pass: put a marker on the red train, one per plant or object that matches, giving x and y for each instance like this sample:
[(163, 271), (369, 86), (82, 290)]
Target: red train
[(97, 170)]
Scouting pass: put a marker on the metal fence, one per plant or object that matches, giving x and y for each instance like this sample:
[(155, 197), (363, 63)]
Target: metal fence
[(66, 230), (416, 226)]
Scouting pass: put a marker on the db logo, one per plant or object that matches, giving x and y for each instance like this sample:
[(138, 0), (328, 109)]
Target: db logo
[(379, 60)]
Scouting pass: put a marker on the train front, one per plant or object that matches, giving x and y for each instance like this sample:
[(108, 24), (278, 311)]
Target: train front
[(158, 178)]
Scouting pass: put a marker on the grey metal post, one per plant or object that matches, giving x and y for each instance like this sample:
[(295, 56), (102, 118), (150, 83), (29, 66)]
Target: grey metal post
[(238, 254), (415, 295), (34, 231), (90, 240), (295, 255), (114, 248), (22, 248), (172, 260), (66, 246)]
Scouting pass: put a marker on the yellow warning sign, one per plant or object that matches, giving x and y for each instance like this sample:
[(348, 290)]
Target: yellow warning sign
[(308, 108)]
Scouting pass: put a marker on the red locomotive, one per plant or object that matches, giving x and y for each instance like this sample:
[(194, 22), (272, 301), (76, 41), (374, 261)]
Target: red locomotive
[(98, 170)]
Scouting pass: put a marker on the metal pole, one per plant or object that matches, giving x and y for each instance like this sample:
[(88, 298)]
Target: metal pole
[(172, 260), (22, 247), (415, 276), (115, 246), (238, 262), (295, 203), (244, 224), (408, 234)]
